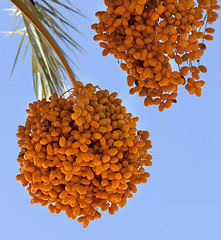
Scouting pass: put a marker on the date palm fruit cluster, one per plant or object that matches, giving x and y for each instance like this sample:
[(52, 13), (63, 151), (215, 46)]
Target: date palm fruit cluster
[(148, 36), (82, 154)]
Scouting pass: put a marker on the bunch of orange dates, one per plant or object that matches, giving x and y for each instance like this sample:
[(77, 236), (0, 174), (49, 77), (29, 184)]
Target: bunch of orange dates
[(151, 36), (82, 154)]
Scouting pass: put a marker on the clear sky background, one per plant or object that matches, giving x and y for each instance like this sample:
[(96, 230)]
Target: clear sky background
[(182, 198)]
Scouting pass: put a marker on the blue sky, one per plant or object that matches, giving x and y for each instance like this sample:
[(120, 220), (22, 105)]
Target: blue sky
[(182, 198)]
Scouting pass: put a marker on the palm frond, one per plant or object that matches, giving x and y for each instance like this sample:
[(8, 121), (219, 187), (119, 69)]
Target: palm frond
[(47, 72), (19, 48)]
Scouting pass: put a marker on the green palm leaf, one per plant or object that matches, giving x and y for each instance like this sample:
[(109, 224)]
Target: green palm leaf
[(47, 72)]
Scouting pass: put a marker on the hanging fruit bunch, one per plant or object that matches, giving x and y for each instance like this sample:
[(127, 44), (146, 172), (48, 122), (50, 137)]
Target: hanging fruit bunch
[(81, 153), (151, 36)]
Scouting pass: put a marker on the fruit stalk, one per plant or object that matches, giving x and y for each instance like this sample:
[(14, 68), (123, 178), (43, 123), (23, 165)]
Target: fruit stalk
[(40, 27)]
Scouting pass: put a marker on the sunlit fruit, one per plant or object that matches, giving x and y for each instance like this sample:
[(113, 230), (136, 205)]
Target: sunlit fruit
[(82, 154), (148, 37)]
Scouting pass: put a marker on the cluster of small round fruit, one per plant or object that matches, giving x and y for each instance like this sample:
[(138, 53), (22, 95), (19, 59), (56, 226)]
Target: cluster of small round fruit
[(148, 36), (82, 153)]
